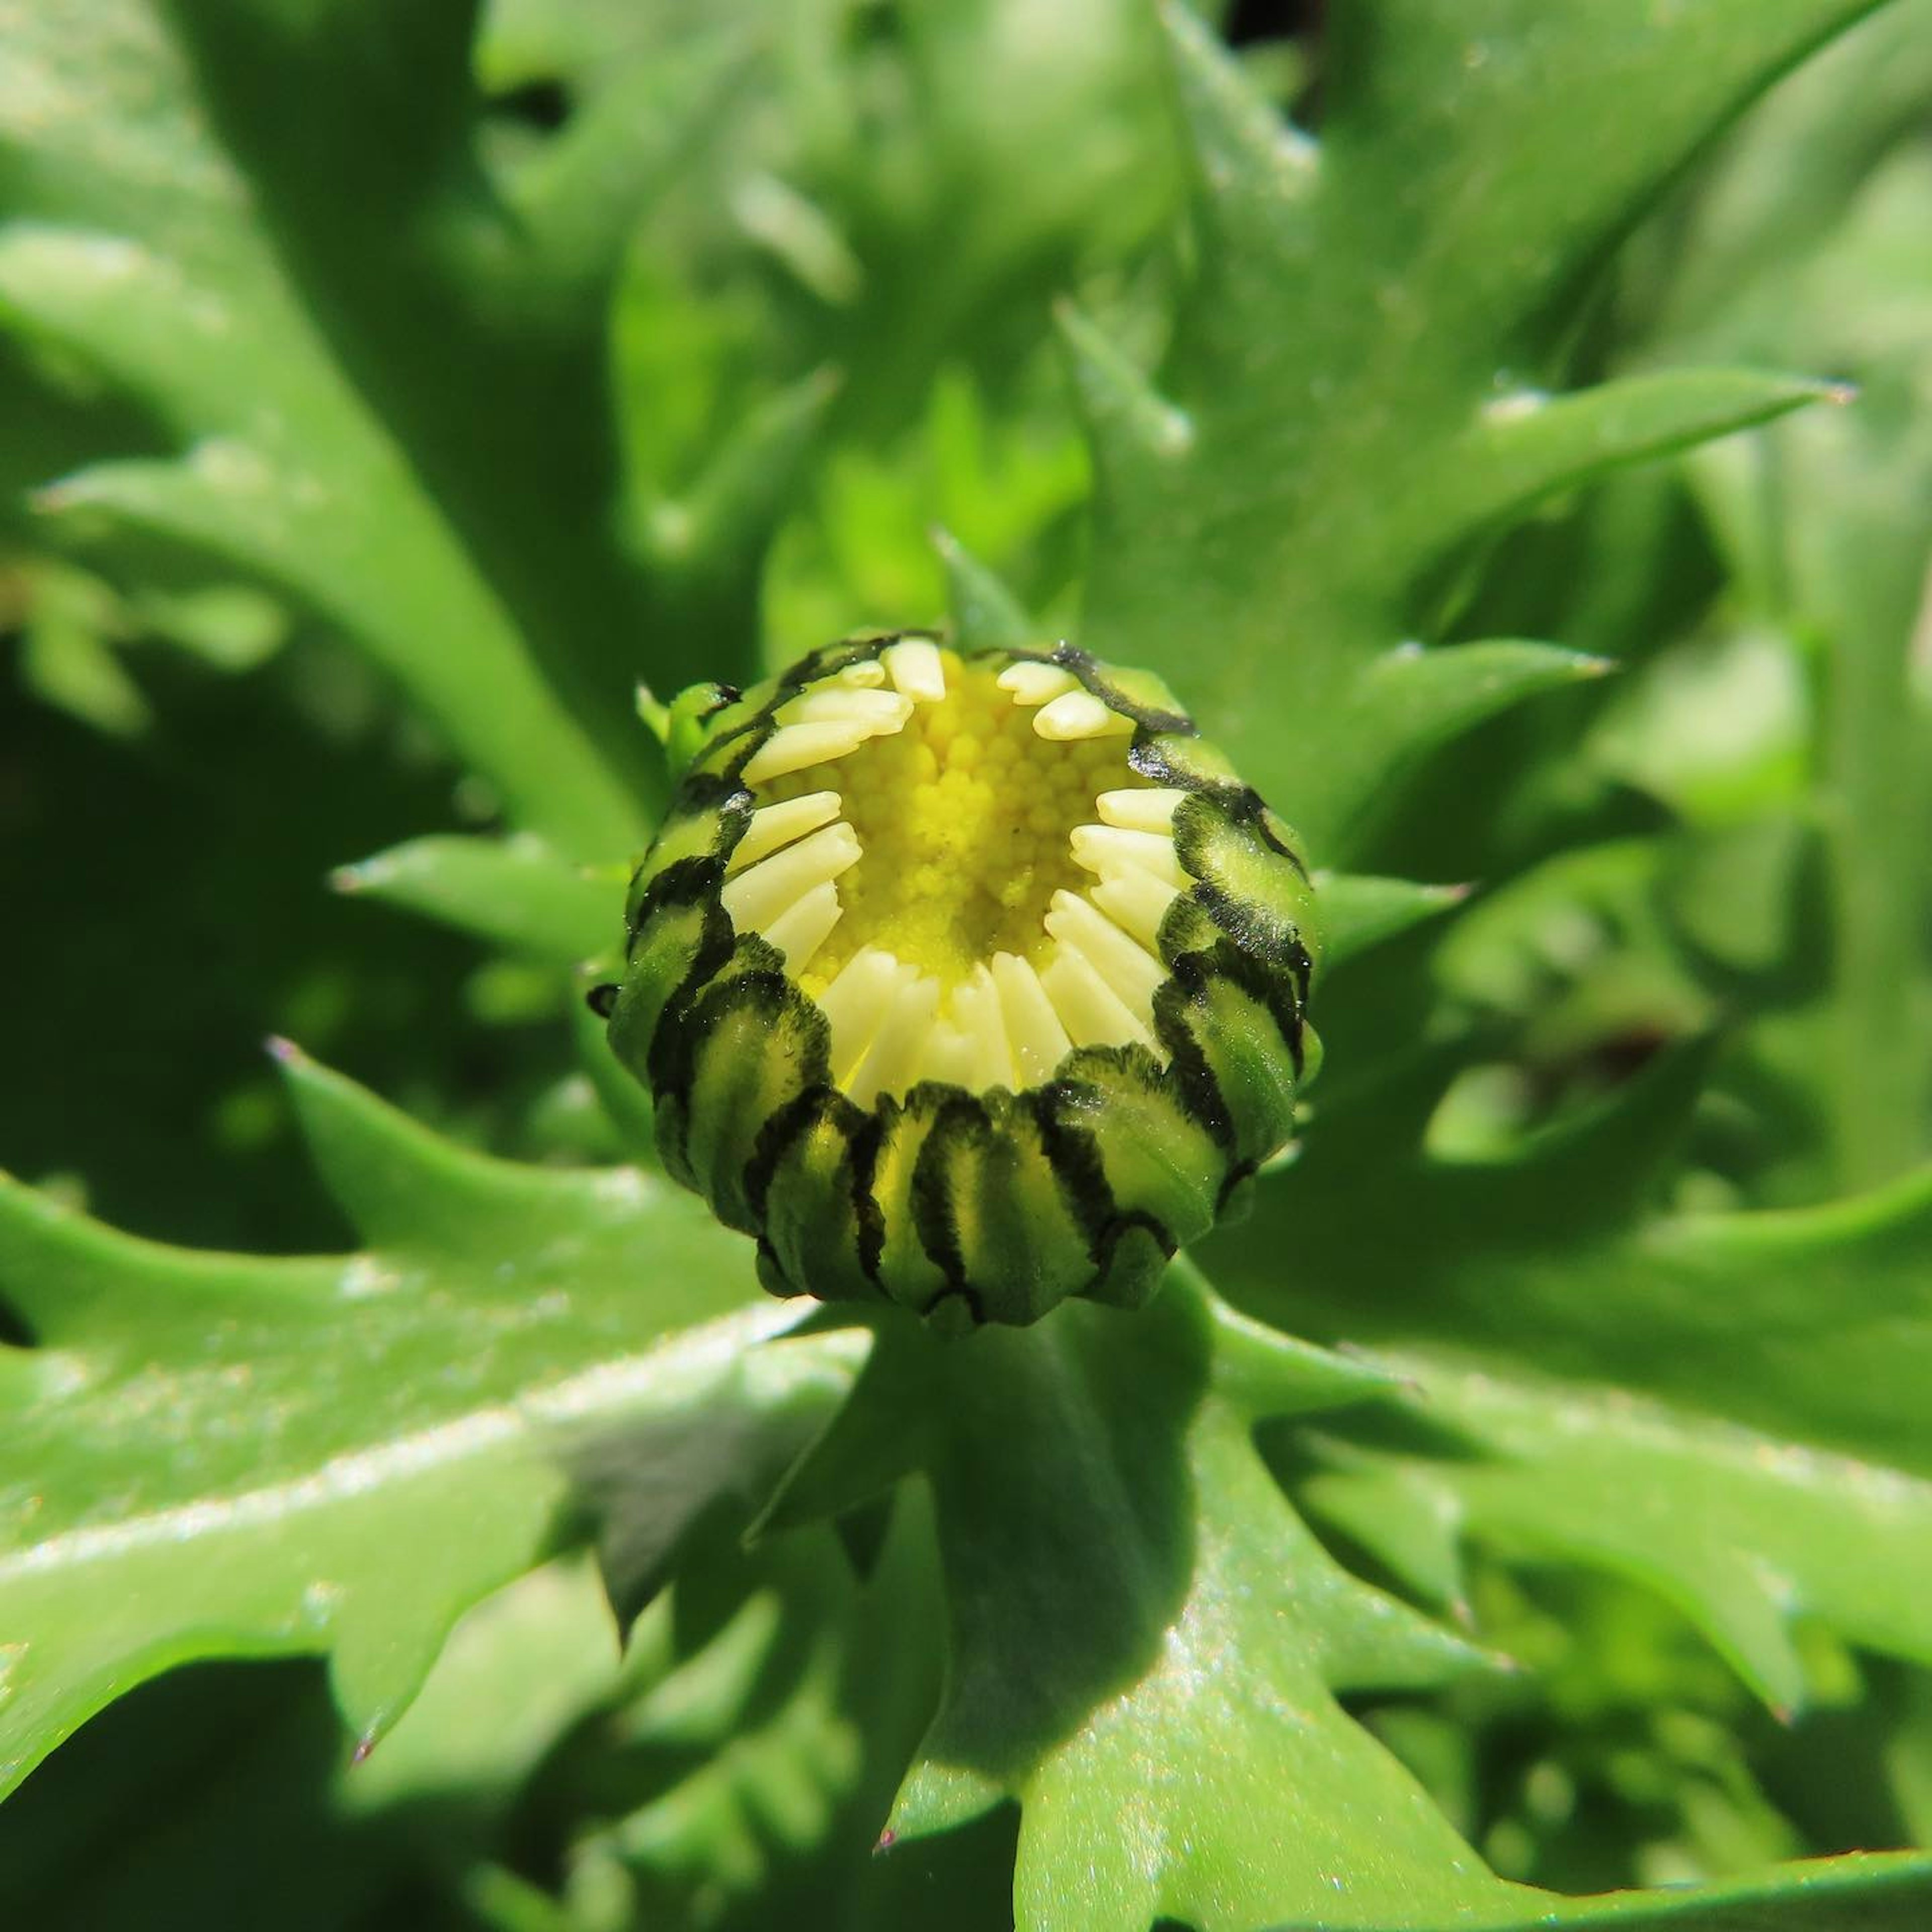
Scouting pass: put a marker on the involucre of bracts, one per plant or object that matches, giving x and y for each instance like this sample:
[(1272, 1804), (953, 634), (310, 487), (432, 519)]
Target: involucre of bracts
[(972, 982)]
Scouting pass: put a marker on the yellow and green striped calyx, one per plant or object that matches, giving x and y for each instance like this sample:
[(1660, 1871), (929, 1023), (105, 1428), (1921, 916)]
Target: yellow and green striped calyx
[(972, 982)]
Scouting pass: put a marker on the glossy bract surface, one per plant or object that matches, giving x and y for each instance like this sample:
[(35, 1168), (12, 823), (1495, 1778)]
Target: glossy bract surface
[(973, 982)]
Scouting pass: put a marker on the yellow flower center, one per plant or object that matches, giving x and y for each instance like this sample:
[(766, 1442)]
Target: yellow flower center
[(959, 864)]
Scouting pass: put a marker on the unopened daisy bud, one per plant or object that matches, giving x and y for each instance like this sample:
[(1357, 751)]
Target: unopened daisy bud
[(969, 983)]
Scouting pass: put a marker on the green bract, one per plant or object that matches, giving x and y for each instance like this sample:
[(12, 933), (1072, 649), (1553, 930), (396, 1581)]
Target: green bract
[(972, 982)]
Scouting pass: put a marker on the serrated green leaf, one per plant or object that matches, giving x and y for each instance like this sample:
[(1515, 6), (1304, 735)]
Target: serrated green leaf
[(1812, 1321), (748, 1778), (1825, 531), (1410, 259), (517, 1668), (1111, 1543), (217, 1455), (1746, 1536), (322, 316), (1773, 1468)]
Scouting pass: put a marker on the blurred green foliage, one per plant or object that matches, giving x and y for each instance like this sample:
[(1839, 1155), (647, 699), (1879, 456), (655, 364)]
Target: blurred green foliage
[(1536, 1492)]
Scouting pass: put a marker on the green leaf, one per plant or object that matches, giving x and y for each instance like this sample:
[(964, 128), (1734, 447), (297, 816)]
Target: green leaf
[(1527, 445), (1853, 1894), (1744, 1534), (1729, 1407), (1826, 529), (517, 1668), (380, 364), (516, 892), (1112, 1545), (1344, 402), (219, 1455), (1408, 701), (1358, 911), (986, 615), (757, 1767)]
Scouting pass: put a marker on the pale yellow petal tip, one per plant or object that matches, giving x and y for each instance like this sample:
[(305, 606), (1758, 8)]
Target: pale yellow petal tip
[(772, 826), (804, 927), (854, 1004), (916, 669), (891, 1062), (1040, 1042), (974, 1007), (1106, 849), (1089, 1009), (766, 891), (1141, 808), (1032, 683), (879, 712), (1136, 901), (1129, 971), (1077, 714), (795, 748), (946, 1054)]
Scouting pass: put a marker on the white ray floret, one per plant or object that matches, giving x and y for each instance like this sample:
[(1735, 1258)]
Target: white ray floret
[(891, 1060), (945, 1054), (1093, 1013), (1105, 849), (1136, 901), (916, 669), (1032, 683), (792, 747), (773, 825), (803, 927), (762, 892), (1131, 973), (1077, 714), (975, 1009), (880, 711), (867, 674), (854, 1004), (1039, 1041), (1141, 809)]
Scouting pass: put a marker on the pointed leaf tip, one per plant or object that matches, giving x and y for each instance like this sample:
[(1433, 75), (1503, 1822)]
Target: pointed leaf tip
[(1267, 1373), (1252, 163), (406, 1189), (518, 892), (1410, 699), (877, 1435), (74, 1280), (1525, 446), (986, 615), (1360, 911), (1129, 421), (935, 1798)]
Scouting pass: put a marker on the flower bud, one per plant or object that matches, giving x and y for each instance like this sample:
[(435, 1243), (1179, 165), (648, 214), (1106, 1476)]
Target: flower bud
[(970, 983)]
